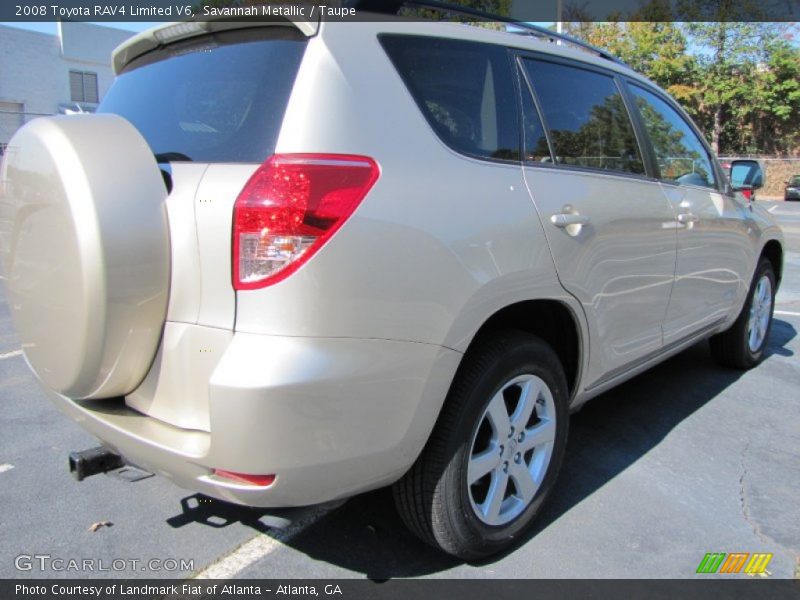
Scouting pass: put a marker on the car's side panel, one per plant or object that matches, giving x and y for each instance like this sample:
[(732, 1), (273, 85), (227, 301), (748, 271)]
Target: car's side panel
[(760, 229), (619, 261), (714, 262), (436, 228), (714, 254), (619, 266)]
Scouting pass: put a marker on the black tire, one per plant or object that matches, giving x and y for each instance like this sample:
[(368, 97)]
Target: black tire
[(433, 498), (731, 348)]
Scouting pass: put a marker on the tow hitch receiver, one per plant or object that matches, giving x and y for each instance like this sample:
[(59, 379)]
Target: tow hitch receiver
[(90, 462)]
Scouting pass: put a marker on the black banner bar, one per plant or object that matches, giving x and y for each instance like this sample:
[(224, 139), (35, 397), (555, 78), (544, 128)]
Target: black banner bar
[(539, 11), (464, 589)]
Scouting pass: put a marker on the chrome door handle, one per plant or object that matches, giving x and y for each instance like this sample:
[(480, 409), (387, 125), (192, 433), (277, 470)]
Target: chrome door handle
[(566, 219), (686, 218)]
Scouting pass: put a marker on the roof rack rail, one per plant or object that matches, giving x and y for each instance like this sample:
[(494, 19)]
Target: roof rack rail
[(393, 7)]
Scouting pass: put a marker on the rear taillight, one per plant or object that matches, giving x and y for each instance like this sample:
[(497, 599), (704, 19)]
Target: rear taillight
[(289, 208)]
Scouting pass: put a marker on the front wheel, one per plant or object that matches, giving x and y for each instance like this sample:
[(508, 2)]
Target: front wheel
[(495, 452), (743, 345)]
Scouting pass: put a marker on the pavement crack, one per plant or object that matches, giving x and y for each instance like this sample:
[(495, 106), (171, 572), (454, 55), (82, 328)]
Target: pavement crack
[(743, 502), (745, 508)]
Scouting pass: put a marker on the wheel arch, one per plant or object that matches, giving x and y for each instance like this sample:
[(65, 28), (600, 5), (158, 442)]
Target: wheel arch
[(773, 252), (551, 320)]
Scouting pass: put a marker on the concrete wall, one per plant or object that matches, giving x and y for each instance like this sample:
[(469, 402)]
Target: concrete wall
[(34, 68)]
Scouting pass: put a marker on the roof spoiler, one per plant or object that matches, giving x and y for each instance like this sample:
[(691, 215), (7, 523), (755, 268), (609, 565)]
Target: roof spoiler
[(181, 30)]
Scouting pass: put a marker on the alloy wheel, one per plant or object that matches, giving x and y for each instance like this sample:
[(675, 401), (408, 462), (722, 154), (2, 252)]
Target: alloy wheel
[(760, 313), (511, 450)]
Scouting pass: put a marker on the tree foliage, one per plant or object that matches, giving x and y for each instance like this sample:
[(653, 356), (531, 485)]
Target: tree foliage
[(739, 80)]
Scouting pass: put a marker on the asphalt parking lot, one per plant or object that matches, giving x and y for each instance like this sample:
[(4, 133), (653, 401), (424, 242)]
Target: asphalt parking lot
[(683, 460)]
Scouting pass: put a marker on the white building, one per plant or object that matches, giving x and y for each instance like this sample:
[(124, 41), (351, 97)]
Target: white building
[(43, 74)]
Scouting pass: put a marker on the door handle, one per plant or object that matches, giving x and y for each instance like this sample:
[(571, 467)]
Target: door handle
[(566, 219), (686, 218)]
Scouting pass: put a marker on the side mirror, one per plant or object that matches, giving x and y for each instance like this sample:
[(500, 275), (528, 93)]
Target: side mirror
[(746, 175)]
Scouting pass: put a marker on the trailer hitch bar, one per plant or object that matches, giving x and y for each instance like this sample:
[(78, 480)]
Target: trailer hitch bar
[(85, 463)]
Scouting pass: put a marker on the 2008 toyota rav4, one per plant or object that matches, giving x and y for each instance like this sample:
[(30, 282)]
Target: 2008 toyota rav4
[(370, 254)]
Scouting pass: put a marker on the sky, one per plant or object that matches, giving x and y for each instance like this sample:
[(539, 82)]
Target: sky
[(49, 27)]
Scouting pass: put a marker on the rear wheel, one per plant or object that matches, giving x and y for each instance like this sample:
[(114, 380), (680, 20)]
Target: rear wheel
[(495, 452), (742, 346)]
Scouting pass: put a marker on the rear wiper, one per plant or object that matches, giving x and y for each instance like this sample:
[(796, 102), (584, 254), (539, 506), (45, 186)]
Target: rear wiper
[(166, 157)]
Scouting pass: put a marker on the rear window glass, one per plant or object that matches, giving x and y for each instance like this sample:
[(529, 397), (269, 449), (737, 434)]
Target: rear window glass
[(464, 89), (214, 98)]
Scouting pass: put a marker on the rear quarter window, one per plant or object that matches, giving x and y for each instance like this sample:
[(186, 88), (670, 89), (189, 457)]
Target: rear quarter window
[(465, 91), (213, 98)]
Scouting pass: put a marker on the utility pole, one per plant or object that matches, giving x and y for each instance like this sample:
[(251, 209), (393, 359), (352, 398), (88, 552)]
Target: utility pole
[(559, 17)]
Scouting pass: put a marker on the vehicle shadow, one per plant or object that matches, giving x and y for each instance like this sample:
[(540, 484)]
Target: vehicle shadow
[(211, 512), (606, 437)]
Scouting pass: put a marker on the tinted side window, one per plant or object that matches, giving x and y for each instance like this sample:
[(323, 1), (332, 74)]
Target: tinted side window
[(680, 154), (464, 89), (589, 125)]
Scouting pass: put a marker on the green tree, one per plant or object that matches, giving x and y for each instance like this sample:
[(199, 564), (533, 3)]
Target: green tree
[(775, 117), (649, 41), (656, 49), (726, 67), (740, 80)]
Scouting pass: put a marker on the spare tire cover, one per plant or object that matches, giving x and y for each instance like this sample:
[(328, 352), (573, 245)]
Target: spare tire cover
[(85, 249)]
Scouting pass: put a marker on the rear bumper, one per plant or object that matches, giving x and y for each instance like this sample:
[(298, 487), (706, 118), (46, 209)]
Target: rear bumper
[(329, 417)]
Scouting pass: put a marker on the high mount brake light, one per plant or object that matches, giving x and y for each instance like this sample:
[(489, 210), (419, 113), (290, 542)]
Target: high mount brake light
[(289, 208)]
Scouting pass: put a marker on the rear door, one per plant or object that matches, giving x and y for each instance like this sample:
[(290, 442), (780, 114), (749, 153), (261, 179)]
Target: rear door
[(211, 108), (714, 250), (610, 228)]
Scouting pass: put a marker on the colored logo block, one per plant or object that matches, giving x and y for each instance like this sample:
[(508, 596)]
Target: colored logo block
[(721, 562)]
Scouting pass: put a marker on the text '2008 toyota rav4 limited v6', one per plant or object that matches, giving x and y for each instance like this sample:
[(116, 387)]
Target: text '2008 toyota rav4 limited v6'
[(370, 254)]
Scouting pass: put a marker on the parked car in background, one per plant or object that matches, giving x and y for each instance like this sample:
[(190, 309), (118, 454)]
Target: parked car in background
[(288, 262), (792, 191)]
